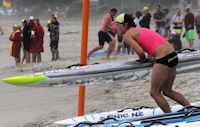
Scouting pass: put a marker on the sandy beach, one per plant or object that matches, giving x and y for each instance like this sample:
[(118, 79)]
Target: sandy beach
[(40, 107)]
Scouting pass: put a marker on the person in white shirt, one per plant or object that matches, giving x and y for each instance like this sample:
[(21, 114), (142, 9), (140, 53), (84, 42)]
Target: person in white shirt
[(138, 18), (177, 21)]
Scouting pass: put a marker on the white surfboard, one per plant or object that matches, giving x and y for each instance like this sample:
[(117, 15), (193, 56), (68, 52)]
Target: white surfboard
[(119, 115)]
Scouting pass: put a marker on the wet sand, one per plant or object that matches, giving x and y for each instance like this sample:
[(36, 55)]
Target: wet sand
[(40, 107)]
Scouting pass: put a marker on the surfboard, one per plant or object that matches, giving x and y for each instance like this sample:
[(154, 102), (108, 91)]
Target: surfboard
[(122, 114), (187, 62), (189, 114)]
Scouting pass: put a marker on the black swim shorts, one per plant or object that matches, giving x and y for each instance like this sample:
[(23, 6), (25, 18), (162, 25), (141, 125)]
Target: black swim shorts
[(112, 33), (104, 37), (170, 60), (54, 44)]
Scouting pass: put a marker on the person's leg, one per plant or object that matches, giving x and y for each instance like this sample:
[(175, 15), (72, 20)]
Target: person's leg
[(102, 39), (129, 50), (24, 56), (120, 44), (111, 42), (191, 44), (94, 50), (160, 75), (167, 91), (27, 57), (57, 51), (53, 53), (17, 61), (199, 36), (111, 48), (39, 57), (118, 48), (33, 57), (57, 54)]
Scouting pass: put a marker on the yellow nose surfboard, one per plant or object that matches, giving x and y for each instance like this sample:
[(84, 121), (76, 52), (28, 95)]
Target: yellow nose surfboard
[(25, 80)]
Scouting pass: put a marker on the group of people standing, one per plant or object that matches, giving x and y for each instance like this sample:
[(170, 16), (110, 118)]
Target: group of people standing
[(30, 38), (108, 31), (165, 24)]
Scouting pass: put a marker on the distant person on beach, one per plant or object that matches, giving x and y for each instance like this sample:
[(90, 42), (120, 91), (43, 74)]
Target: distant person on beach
[(159, 18), (33, 44), (104, 35), (164, 69), (138, 18), (39, 38), (189, 27), (197, 24), (16, 42), (53, 28), (177, 21), (168, 18), (26, 41), (146, 19)]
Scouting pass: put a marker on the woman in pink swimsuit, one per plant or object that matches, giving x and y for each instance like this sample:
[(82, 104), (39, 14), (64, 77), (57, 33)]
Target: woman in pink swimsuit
[(164, 70)]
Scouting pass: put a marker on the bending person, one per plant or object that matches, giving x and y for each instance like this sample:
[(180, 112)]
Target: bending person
[(164, 70), (105, 35)]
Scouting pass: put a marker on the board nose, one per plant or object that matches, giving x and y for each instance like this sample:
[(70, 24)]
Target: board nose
[(24, 80)]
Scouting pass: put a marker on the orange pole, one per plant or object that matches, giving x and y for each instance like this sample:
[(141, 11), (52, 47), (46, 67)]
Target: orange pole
[(85, 23), (83, 60), (81, 100)]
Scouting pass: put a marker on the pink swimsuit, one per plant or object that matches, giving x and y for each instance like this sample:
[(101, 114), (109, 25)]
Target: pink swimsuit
[(150, 40)]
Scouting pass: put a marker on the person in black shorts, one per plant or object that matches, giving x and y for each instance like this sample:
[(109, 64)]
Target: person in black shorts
[(105, 35), (53, 28)]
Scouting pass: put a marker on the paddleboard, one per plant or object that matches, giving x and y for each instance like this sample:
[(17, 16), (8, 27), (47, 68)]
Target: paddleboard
[(193, 121), (189, 114), (179, 124), (119, 115), (187, 62)]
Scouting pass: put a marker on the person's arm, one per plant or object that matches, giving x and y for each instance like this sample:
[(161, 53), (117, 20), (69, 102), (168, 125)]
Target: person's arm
[(173, 20), (160, 20), (155, 18), (163, 19), (140, 52)]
